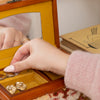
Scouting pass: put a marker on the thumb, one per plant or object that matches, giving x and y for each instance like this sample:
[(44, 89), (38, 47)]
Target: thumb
[(18, 66)]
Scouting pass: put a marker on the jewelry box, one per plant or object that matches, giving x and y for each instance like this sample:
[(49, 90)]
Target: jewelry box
[(37, 83)]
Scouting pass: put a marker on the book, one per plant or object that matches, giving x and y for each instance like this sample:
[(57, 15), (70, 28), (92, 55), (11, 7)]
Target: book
[(87, 39)]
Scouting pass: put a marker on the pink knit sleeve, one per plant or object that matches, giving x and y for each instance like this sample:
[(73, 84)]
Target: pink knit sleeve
[(20, 22), (83, 73)]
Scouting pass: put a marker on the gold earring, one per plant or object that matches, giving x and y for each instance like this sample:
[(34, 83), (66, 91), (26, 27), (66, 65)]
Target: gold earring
[(20, 86), (8, 74), (11, 89)]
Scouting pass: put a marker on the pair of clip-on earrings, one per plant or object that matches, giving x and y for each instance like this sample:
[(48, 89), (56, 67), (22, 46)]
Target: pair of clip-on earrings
[(18, 86)]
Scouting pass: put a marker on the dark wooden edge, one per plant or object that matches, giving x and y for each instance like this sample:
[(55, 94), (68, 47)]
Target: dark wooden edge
[(56, 27), (4, 94), (19, 4), (64, 51), (43, 75), (39, 91), (47, 76)]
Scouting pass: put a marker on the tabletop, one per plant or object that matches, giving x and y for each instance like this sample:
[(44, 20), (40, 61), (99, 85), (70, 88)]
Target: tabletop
[(64, 94)]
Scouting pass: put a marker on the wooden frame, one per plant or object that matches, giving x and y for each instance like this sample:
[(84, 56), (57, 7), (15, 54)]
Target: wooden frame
[(21, 6), (48, 9)]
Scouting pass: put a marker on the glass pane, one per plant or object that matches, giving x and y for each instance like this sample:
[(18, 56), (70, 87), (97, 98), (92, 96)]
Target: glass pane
[(28, 24)]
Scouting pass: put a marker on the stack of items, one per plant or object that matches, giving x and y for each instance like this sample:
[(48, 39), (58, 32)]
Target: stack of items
[(86, 39)]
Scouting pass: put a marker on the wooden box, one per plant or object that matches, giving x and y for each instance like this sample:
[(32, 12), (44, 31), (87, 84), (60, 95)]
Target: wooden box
[(45, 82)]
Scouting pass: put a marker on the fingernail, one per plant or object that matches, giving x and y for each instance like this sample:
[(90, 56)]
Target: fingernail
[(9, 69)]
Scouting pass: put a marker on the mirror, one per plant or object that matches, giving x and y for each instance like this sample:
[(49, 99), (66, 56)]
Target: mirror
[(28, 24), (35, 29)]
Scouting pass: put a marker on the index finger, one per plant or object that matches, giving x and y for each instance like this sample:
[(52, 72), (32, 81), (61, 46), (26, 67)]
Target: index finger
[(21, 53)]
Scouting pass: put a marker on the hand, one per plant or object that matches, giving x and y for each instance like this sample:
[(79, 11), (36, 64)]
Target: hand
[(38, 54), (10, 37), (4, 1)]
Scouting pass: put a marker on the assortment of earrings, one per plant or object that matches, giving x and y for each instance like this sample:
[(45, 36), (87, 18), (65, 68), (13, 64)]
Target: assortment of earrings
[(21, 86), (18, 86)]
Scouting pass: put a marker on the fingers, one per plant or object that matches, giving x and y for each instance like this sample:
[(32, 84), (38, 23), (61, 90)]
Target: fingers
[(8, 41), (21, 53), (11, 38), (21, 60), (25, 39), (1, 40), (19, 41), (19, 66)]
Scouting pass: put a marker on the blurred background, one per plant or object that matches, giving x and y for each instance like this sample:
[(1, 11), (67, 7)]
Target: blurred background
[(73, 15)]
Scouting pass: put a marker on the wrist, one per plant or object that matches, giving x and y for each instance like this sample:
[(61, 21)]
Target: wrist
[(60, 63)]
